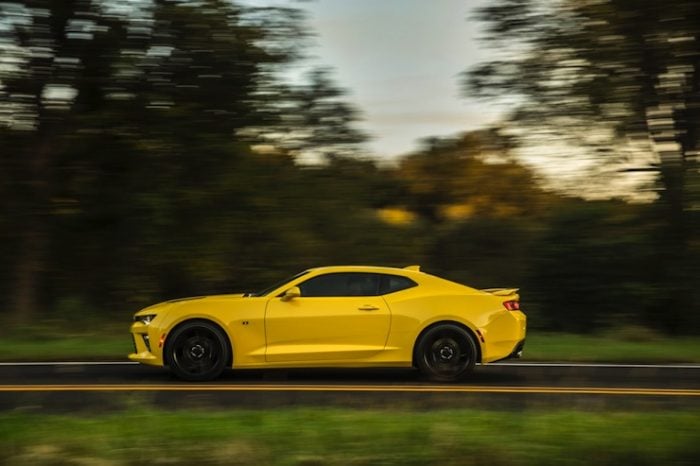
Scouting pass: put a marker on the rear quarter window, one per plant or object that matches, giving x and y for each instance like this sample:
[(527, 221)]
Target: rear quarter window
[(393, 283)]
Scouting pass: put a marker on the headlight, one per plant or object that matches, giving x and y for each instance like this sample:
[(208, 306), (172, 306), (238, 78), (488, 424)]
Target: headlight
[(145, 318)]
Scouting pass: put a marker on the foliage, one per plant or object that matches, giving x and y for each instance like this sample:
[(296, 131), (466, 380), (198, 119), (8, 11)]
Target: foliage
[(341, 436), (618, 80), (594, 266), (129, 177), (154, 149), (473, 175), (628, 343), (58, 339)]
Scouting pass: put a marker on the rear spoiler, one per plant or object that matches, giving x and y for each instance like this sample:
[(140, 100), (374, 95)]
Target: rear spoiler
[(502, 291)]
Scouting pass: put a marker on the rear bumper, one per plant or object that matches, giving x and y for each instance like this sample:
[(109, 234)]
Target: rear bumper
[(504, 336), (517, 352)]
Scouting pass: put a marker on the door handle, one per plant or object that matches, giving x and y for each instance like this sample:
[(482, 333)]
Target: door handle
[(368, 308)]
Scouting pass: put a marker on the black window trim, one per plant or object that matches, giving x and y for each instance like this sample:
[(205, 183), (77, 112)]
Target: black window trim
[(381, 277)]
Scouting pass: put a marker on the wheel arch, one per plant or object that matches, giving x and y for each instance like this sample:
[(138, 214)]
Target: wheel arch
[(229, 344), (461, 325)]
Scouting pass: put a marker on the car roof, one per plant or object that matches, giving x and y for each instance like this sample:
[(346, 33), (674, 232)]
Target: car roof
[(368, 268), (411, 271)]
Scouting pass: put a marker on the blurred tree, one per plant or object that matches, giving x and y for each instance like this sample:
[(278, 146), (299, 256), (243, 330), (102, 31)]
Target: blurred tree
[(592, 268), (153, 149), (126, 166), (480, 209), (474, 175), (55, 57), (310, 120), (603, 72), (486, 252)]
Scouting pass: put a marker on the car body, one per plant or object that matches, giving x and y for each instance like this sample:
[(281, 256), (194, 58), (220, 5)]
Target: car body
[(340, 316)]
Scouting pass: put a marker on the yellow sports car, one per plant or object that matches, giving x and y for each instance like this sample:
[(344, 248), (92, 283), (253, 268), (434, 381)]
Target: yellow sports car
[(351, 316)]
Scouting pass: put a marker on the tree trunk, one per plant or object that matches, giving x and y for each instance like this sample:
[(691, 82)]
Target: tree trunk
[(34, 236), (29, 267)]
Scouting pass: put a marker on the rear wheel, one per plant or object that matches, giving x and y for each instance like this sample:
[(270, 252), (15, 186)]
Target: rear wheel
[(197, 351), (446, 353)]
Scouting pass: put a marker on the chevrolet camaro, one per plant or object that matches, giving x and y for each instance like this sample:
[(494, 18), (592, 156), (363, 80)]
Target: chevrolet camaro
[(351, 316)]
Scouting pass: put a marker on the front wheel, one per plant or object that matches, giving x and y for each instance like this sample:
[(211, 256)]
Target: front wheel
[(197, 351), (446, 353)]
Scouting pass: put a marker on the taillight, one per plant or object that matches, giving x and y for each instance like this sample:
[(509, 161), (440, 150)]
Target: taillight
[(512, 305)]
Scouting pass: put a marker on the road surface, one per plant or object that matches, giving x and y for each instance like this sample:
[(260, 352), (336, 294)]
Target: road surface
[(78, 386)]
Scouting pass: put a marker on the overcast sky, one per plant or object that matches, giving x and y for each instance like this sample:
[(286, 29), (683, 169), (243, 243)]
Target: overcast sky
[(400, 60)]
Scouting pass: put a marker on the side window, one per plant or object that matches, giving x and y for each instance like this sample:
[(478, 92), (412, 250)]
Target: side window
[(341, 284), (393, 283)]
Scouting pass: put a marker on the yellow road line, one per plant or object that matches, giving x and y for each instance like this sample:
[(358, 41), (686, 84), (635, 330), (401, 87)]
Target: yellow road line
[(352, 388)]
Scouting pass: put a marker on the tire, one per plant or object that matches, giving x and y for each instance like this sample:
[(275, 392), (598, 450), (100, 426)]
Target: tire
[(197, 351), (446, 353)]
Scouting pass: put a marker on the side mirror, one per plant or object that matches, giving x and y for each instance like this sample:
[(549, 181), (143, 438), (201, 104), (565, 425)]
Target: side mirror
[(293, 292)]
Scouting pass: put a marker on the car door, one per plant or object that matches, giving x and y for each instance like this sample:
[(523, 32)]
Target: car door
[(339, 316)]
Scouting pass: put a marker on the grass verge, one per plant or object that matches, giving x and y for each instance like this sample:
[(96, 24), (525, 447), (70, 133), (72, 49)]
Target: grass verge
[(330, 437), (114, 343), (75, 347), (610, 348)]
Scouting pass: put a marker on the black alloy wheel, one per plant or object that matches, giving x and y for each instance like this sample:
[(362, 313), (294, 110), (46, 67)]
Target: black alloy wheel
[(446, 352), (197, 351)]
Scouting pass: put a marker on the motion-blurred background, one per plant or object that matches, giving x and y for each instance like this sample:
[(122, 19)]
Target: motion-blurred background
[(154, 149)]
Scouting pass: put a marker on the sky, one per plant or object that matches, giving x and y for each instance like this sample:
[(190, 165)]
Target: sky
[(400, 61)]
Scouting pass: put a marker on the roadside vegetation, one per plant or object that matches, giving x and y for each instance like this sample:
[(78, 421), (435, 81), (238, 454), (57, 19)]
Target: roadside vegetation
[(142, 166), (612, 346), (112, 342), (341, 437)]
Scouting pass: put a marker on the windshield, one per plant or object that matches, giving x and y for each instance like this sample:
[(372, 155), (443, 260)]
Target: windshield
[(278, 284)]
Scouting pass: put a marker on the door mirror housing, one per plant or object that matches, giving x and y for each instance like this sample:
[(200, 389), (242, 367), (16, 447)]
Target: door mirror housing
[(293, 292)]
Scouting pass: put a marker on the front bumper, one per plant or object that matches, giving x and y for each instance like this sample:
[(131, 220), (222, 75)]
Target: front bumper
[(147, 344)]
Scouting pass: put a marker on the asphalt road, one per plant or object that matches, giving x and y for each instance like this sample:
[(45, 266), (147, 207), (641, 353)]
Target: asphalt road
[(90, 386)]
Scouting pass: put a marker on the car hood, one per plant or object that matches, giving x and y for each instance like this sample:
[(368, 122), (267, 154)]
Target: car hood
[(213, 296), (155, 308)]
